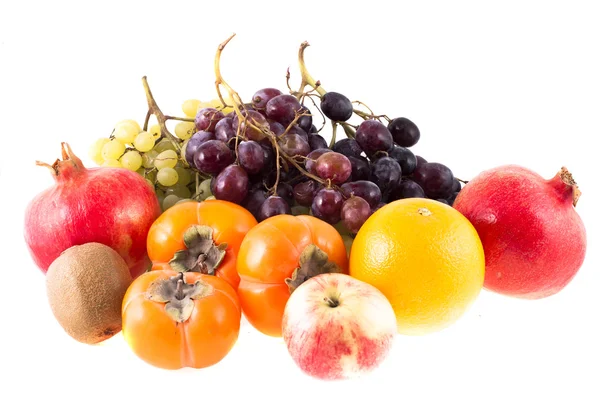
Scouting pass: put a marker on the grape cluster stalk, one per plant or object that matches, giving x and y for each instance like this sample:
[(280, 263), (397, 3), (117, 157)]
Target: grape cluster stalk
[(267, 154)]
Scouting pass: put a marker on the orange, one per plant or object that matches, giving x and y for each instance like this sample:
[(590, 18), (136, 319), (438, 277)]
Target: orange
[(425, 257)]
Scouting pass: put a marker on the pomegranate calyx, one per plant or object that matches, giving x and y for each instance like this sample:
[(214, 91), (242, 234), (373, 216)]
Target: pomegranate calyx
[(567, 179), (201, 254), (313, 261), (67, 166), (177, 295)]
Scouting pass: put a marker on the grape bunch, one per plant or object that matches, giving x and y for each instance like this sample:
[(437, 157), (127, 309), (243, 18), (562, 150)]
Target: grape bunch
[(268, 155)]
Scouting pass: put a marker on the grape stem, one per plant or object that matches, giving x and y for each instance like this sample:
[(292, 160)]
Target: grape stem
[(333, 132), (168, 117), (237, 100), (307, 79), (155, 110)]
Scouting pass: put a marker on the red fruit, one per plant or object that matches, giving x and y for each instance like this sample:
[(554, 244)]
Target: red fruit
[(112, 206), (534, 240)]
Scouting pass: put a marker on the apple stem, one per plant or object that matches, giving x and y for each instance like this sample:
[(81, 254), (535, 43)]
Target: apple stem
[(332, 302)]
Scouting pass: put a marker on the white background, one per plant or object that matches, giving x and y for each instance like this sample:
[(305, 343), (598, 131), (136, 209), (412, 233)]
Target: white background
[(488, 83)]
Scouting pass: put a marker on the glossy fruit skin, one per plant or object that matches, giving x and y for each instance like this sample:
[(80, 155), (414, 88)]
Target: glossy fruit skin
[(269, 254), (203, 340), (404, 131), (534, 239), (336, 106), (230, 223), (112, 206), (429, 263)]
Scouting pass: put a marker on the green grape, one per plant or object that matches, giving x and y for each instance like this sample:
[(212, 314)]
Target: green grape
[(150, 183), (131, 124), (164, 144), (95, 151), (185, 175), (113, 150), (204, 190), (148, 159), (210, 198), (166, 159), (169, 201), (180, 190), (185, 130), (126, 131), (167, 176), (131, 160), (144, 142), (160, 195), (112, 163), (155, 131), (190, 107)]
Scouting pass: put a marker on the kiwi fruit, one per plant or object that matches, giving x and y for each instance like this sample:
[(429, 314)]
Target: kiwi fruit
[(85, 287)]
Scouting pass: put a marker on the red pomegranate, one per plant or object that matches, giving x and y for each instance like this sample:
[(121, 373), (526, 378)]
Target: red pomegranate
[(534, 240), (112, 206)]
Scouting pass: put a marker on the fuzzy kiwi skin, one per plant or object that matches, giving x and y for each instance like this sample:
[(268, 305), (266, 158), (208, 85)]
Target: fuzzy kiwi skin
[(85, 287)]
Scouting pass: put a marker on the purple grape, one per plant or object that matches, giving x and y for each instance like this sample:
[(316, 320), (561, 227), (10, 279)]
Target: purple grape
[(336, 106), (293, 145), (195, 141), (327, 205), (406, 159), (212, 156), (273, 205), (377, 207), (289, 175), (407, 189), (311, 158), (313, 129), (348, 147), (420, 161), (363, 189), (333, 166), (251, 156), (404, 132), (224, 131), (286, 192), (276, 127), (261, 97), (269, 157), (317, 142), (283, 108), (361, 169), (456, 186), (355, 211), (436, 180), (451, 199), (386, 173), (252, 125), (295, 129), (207, 118), (372, 136), (444, 201), (231, 184), (305, 121), (304, 192), (254, 200)]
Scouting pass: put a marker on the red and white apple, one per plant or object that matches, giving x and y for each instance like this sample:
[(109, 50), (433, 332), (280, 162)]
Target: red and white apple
[(338, 327)]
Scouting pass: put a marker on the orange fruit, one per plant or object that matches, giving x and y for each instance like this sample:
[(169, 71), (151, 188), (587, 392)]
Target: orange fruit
[(425, 257)]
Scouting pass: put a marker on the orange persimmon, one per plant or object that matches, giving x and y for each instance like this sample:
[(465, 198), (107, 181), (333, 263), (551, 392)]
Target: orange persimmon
[(200, 237), (174, 320), (278, 255)]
